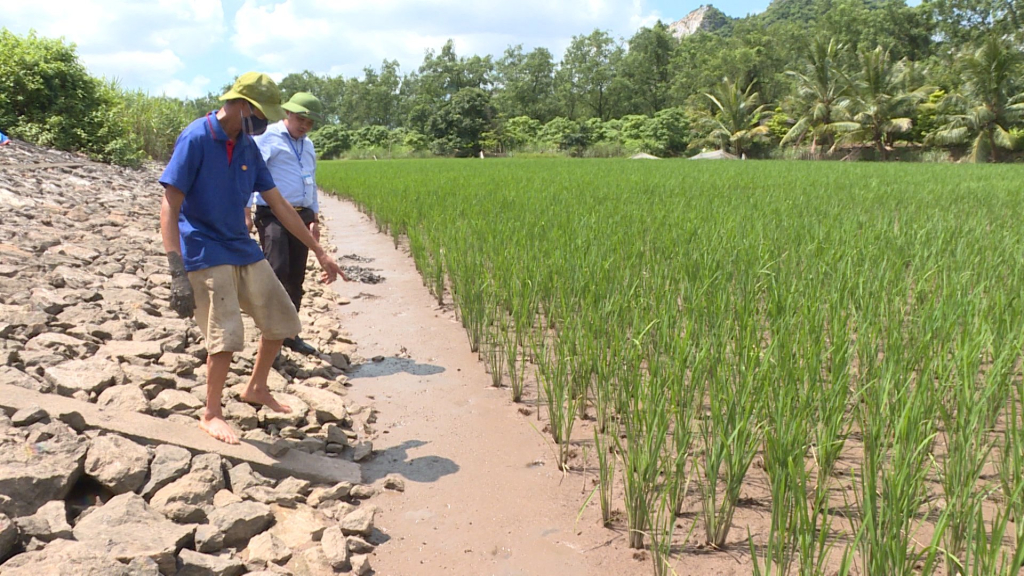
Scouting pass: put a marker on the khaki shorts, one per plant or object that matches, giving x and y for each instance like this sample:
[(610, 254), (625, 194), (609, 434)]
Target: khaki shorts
[(224, 292)]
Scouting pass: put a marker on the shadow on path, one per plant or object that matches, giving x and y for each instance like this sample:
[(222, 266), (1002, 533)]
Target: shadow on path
[(391, 366), (395, 460)]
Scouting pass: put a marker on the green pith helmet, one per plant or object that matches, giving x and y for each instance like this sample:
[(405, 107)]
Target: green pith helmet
[(305, 104), (261, 92)]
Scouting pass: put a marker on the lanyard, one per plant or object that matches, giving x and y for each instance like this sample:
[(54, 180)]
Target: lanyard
[(297, 151)]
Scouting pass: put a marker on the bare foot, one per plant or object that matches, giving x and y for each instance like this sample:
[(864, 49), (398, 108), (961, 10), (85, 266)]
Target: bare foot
[(217, 427), (265, 398)]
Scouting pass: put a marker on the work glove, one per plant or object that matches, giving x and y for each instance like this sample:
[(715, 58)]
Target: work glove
[(183, 301)]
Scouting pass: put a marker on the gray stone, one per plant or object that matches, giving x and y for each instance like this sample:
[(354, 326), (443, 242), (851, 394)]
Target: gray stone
[(357, 545), (126, 281), (180, 364), (169, 463), (281, 419), (311, 562), (18, 320), (49, 523), (15, 377), (266, 548), (240, 522), (358, 522), (225, 497), (67, 557), (394, 482), (61, 344), (127, 350), (361, 565), (311, 445), (91, 376), (126, 528), (335, 435), (198, 564), (215, 464), (296, 486), (299, 527), (336, 509), (340, 361), (174, 401), (128, 398), (8, 537), (335, 548), (208, 539), (242, 478), (117, 463), (327, 406), (319, 496), (278, 448), (362, 492), (142, 376), (183, 500), (266, 495), (29, 416), (242, 414), (31, 476), (362, 451)]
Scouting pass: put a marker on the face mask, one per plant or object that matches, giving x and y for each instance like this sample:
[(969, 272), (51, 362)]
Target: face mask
[(252, 125)]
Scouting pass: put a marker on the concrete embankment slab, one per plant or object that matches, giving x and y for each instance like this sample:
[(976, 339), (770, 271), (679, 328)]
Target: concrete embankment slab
[(152, 430)]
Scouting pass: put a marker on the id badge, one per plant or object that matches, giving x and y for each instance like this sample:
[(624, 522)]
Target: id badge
[(307, 180)]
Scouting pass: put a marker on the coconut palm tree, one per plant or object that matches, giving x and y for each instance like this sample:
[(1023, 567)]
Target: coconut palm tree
[(880, 102), (820, 86), (989, 102), (735, 124)]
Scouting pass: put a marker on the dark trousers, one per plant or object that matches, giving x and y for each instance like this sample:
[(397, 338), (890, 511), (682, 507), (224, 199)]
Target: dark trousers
[(286, 253)]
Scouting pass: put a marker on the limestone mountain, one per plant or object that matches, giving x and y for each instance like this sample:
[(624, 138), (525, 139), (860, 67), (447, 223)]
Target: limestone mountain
[(706, 18)]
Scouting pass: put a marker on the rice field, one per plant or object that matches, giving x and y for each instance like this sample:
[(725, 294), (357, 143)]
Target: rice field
[(850, 335)]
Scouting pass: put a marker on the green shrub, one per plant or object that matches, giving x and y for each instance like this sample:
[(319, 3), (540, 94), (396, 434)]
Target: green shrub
[(50, 99)]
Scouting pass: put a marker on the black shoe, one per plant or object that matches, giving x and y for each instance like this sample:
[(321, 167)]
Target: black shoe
[(299, 345)]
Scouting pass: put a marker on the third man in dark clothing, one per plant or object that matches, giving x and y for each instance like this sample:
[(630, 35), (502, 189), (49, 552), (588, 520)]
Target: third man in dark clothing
[(291, 159)]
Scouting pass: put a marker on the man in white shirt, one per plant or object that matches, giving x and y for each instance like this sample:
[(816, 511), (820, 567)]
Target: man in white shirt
[(291, 159)]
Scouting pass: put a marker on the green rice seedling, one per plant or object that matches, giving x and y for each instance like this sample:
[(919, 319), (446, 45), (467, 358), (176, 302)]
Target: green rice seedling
[(1011, 453), (984, 551), (663, 523), (731, 435), (785, 445), (495, 352), (516, 364), (644, 424), (606, 461), (896, 419), (965, 410), (685, 404), (553, 374)]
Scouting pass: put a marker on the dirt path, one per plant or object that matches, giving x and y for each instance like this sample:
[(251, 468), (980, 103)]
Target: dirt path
[(482, 495)]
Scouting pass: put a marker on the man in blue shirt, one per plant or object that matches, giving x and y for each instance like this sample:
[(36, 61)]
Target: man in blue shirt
[(217, 269), (291, 159)]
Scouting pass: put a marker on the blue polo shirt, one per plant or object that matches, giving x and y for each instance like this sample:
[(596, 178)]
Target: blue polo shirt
[(212, 217)]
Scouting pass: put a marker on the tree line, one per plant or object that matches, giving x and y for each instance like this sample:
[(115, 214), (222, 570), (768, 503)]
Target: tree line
[(806, 78)]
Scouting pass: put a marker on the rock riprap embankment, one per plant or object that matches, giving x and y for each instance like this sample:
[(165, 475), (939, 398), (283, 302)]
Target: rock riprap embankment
[(83, 314)]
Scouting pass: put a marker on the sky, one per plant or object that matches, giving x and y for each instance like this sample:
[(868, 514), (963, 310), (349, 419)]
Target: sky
[(187, 48)]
